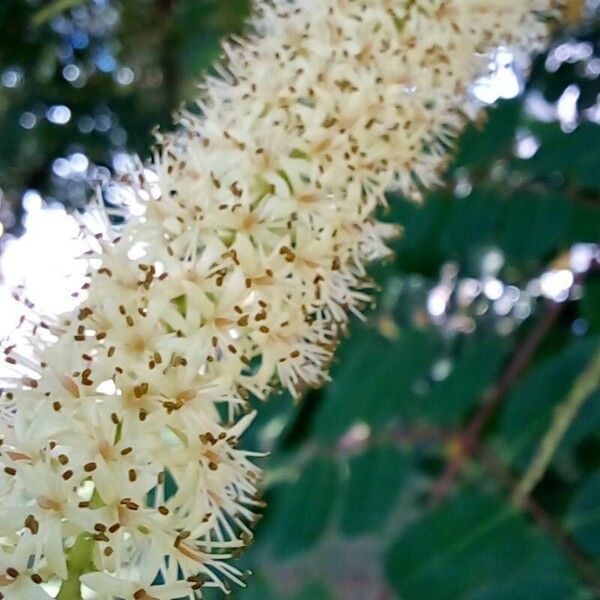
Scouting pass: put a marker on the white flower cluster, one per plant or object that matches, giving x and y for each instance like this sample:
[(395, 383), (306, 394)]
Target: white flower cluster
[(120, 434)]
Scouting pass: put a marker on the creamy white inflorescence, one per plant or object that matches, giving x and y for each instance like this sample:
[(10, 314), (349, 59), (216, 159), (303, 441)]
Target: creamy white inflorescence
[(120, 431)]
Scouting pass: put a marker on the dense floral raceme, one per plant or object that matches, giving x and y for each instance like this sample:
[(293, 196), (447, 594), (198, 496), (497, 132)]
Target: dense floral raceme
[(120, 427)]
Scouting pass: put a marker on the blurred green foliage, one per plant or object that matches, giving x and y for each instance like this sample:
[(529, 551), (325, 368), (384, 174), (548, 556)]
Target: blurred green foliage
[(498, 269), (120, 68)]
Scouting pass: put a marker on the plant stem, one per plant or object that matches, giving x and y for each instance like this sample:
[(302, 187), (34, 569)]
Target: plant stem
[(470, 437), (584, 385), (78, 563), (542, 518), (70, 588), (53, 10)]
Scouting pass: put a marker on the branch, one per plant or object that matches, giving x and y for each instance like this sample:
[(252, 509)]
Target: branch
[(53, 10), (537, 512), (584, 385), (469, 439)]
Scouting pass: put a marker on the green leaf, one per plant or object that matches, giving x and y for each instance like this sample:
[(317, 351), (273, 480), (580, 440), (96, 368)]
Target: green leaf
[(585, 426), (374, 380), (590, 304), (583, 520), (258, 587), (526, 226), (417, 248), (481, 145), (585, 225), (273, 419), (476, 368), (529, 409), (303, 509), (574, 155), (314, 591), (472, 224), (464, 546), (376, 478), (535, 226), (546, 587)]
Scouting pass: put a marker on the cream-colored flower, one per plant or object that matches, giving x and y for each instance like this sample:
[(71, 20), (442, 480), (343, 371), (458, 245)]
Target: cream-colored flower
[(237, 277)]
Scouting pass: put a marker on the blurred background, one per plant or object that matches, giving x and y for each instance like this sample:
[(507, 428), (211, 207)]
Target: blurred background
[(396, 480)]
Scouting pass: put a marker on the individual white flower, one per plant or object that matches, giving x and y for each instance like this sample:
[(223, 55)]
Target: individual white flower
[(109, 587), (20, 566), (245, 253)]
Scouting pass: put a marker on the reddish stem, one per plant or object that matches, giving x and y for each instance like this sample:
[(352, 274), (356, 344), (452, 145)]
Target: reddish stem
[(542, 518), (469, 438)]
